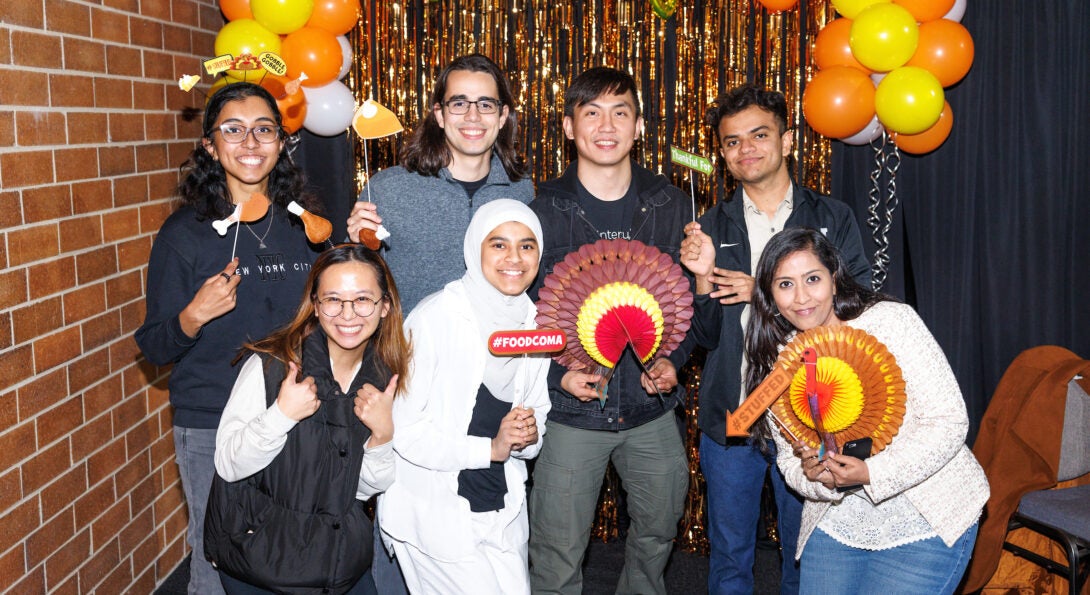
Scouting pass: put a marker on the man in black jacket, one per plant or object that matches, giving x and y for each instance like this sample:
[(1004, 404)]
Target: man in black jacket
[(604, 194), (722, 251)]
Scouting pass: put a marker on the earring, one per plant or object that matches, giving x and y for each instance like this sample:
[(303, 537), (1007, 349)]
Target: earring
[(777, 314)]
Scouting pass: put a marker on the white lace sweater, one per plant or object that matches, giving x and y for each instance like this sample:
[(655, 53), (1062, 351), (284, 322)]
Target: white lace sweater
[(926, 481)]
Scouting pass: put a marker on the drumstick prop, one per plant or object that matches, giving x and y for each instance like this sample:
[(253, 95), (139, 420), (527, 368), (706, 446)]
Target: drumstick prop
[(318, 229), (739, 422), (253, 209)]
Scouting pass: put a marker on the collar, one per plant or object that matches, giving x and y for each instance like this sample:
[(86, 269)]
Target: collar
[(787, 201), (496, 173)]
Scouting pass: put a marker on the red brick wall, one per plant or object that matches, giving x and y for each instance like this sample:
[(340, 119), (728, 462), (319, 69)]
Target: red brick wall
[(90, 143)]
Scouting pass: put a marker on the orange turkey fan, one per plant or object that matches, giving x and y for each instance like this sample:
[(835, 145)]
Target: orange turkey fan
[(612, 294)]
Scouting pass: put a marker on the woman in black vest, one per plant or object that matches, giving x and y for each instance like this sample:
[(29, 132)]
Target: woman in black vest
[(306, 436)]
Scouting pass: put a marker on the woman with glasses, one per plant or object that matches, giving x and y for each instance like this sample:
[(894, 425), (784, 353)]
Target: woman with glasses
[(456, 514), (207, 294), (305, 437)]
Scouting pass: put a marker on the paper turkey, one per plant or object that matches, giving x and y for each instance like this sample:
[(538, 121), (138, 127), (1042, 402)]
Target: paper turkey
[(860, 389), (612, 294)]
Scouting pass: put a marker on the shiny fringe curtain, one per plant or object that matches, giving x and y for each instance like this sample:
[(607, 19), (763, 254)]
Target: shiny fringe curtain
[(680, 64)]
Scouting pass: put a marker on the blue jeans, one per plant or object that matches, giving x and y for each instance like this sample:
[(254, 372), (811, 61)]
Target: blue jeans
[(735, 476), (194, 452), (385, 569), (927, 566)]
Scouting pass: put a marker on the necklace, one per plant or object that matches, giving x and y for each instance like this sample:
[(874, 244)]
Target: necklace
[(261, 240)]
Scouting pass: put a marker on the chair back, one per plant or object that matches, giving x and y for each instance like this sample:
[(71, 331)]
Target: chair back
[(1075, 443)]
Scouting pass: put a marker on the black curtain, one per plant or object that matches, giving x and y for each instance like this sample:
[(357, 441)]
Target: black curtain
[(330, 169), (991, 240)]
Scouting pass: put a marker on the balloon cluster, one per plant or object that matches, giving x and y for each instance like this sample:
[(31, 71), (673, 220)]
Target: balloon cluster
[(309, 36), (883, 66)]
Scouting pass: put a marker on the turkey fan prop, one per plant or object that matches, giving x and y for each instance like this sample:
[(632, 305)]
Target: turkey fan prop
[(613, 294), (859, 387)]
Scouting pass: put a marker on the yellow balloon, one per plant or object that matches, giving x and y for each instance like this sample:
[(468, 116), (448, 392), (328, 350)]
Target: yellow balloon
[(909, 100), (850, 8), (282, 16), (884, 37), (246, 36)]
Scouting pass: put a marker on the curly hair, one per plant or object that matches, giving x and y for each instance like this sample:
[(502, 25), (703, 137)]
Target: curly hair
[(204, 183), (391, 346), (426, 152)]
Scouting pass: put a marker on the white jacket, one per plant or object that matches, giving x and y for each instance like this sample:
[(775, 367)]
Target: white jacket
[(927, 462), (422, 507)]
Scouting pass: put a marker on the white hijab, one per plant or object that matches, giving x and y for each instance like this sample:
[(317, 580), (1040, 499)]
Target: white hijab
[(494, 310)]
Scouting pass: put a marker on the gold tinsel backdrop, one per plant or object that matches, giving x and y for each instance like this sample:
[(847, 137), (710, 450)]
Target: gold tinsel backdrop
[(680, 63)]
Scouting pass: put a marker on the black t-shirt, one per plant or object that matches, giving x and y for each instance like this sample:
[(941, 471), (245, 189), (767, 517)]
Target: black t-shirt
[(471, 188), (612, 219)]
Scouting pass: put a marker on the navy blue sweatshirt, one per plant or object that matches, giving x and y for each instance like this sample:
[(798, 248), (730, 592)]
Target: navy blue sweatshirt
[(185, 254)]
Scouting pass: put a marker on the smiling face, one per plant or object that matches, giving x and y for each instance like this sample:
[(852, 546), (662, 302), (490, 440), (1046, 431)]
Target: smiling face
[(509, 258), (803, 290), (247, 164), (752, 146), (604, 129), (347, 331), (471, 134)]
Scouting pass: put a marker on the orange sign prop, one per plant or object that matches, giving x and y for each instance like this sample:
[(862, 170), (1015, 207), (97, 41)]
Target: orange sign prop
[(523, 342), (758, 402)]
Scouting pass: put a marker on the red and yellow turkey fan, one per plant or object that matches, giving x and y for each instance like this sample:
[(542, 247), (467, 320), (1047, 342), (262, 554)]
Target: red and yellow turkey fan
[(858, 386), (612, 295)]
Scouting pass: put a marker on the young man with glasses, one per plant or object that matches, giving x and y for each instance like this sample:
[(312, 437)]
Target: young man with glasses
[(460, 156), (604, 194)]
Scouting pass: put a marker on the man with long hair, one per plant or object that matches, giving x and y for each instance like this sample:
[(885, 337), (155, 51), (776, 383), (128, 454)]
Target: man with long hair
[(755, 144), (460, 156)]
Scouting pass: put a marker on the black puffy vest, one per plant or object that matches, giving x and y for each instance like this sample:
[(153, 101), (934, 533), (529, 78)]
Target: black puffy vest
[(296, 525)]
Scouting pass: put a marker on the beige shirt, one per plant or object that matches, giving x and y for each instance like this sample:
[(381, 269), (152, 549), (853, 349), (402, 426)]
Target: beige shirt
[(761, 228)]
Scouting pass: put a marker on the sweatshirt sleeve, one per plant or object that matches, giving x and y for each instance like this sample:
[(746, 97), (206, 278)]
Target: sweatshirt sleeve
[(170, 279), (249, 435), (377, 473)]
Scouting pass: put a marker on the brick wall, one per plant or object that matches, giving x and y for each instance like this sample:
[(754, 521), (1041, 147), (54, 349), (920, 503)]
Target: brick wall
[(90, 141)]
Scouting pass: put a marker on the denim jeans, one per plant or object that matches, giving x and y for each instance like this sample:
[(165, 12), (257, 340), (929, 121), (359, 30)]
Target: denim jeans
[(194, 450), (927, 566), (385, 568), (650, 459), (734, 476)]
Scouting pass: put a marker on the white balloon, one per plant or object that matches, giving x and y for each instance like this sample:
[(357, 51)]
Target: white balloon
[(869, 132), (329, 108), (956, 11), (346, 56)]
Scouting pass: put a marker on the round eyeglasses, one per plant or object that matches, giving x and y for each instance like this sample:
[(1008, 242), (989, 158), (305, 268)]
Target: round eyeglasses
[(485, 107), (236, 133), (361, 306)]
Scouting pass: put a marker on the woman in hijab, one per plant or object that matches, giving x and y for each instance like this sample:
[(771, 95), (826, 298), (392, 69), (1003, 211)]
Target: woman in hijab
[(456, 514)]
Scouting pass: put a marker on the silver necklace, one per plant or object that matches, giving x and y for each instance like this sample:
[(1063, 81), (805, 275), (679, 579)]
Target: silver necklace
[(261, 240)]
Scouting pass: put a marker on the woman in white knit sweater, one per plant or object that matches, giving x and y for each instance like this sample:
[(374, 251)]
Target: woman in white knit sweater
[(911, 526)]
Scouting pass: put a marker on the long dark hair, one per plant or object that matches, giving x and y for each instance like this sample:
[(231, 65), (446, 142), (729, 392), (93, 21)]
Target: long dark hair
[(204, 183), (767, 330), (426, 151), (392, 348)]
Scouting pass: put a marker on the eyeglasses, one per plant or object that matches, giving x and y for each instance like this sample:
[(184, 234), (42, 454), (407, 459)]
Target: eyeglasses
[(236, 133), (362, 306), (484, 106)]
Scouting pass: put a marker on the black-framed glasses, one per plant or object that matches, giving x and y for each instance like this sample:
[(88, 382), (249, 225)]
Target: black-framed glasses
[(236, 133), (362, 306), (485, 106)]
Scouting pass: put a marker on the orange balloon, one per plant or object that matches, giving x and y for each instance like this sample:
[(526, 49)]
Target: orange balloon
[(945, 49), (838, 101), (929, 139), (236, 9), (832, 47), (290, 101), (926, 10), (778, 5), (338, 16), (315, 52)]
